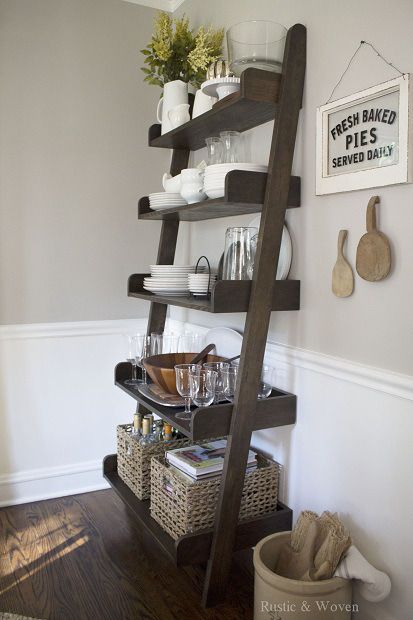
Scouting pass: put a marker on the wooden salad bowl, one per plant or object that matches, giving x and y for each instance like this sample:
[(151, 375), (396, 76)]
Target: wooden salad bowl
[(161, 368)]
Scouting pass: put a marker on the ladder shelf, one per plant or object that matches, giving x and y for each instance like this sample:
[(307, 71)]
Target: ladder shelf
[(263, 96)]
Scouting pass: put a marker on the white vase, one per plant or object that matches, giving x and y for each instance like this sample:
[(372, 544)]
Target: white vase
[(174, 93)]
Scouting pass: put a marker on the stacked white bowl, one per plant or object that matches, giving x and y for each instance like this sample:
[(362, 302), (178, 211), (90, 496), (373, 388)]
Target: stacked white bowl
[(200, 284), (214, 179)]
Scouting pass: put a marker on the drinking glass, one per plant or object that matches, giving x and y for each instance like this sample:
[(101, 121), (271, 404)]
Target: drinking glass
[(267, 381), (190, 342), (202, 386), (130, 347), (218, 367), (239, 254), (215, 150), (229, 382), (182, 374), (233, 147)]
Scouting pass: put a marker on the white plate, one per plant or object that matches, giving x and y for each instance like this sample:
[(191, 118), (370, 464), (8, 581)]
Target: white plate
[(165, 195), (286, 250), (220, 168), (160, 266), (228, 342)]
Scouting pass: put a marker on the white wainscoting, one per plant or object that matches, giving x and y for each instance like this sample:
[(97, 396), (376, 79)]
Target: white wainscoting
[(59, 407)]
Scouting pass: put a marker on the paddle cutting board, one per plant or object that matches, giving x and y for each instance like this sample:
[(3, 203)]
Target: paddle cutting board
[(373, 260), (343, 277)]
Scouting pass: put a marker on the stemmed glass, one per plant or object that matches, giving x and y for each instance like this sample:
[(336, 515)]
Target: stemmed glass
[(229, 382), (267, 381), (202, 386), (130, 347), (218, 367), (182, 373), (142, 350)]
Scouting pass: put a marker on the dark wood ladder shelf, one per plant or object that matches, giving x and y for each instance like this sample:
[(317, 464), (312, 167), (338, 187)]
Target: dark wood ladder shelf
[(244, 194), (194, 548), (263, 96), (226, 296), (215, 421), (256, 103)]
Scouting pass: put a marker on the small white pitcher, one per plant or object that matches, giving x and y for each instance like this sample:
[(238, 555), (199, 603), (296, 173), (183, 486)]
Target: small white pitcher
[(174, 93), (192, 185)]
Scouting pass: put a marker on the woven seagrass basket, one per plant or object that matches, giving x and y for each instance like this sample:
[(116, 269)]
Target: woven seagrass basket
[(134, 461), (181, 505)]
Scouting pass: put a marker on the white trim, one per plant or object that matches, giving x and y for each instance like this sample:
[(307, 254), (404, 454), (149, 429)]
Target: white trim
[(162, 5), (378, 379), (370, 377), (49, 472), (73, 329), (26, 486)]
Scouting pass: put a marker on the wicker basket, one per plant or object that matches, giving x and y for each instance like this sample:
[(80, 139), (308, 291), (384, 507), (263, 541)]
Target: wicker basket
[(181, 505), (134, 461)]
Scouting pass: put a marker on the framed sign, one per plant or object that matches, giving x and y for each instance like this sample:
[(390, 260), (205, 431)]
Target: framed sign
[(364, 140)]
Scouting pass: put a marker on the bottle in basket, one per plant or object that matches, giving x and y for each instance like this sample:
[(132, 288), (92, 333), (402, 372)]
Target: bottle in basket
[(147, 435)]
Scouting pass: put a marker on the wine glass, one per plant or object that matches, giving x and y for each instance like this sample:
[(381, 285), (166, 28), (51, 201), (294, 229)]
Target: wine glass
[(218, 367), (229, 382), (143, 350), (202, 386), (182, 373), (130, 348), (267, 381)]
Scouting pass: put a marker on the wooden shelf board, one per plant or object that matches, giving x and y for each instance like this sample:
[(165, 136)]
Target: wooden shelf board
[(227, 296), (244, 194), (194, 548), (255, 104), (214, 421)]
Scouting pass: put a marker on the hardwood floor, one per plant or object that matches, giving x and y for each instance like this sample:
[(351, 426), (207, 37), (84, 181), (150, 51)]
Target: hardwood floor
[(84, 558)]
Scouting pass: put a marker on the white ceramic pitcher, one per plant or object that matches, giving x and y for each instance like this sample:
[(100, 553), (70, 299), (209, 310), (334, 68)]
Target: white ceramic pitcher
[(174, 93)]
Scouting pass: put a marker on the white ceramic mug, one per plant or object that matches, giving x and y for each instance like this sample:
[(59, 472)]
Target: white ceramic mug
[(203, 103), (192, 185), (174, 94), (179, 115), (171, 184)]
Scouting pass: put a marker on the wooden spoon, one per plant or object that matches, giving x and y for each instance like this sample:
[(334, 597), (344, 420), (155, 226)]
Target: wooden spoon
[(373, 261), (202, 355), (343, 278)]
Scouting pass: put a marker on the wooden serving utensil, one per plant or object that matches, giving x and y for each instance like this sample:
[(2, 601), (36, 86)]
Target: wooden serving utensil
[(373, 260), (343, 277), (202, 355)]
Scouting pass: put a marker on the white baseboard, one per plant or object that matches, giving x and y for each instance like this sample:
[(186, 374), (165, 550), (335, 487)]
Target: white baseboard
[(50, 482)]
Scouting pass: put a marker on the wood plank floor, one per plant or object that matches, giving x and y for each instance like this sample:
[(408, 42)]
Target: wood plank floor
[(84, 558)]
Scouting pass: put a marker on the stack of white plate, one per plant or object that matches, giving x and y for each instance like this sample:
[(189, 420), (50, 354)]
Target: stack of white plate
[(168, 279), (165, 200), (214, 179), (198, 283)]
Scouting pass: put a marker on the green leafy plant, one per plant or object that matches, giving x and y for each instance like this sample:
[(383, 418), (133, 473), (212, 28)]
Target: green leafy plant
[(176, 52)]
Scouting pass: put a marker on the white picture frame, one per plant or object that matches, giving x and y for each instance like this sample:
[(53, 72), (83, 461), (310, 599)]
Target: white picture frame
[(357, 146)]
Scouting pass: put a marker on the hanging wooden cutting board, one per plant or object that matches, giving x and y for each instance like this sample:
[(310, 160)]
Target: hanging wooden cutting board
[(373, 260), (343, 277)]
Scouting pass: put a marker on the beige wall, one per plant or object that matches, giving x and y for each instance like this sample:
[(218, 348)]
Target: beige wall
[(74, 115), (374, 326)]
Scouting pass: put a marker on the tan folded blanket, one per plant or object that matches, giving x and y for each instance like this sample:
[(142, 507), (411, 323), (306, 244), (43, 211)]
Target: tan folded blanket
[(317, 545)]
